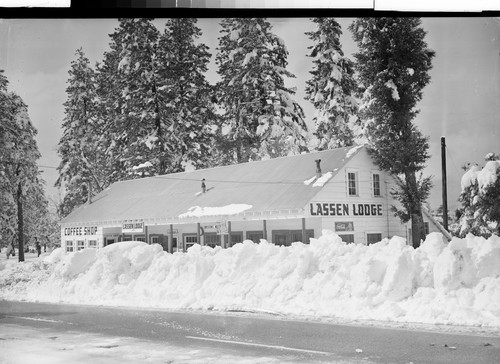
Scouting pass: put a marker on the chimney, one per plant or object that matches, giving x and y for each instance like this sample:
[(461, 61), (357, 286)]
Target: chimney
[(203, 186), (318, 168)]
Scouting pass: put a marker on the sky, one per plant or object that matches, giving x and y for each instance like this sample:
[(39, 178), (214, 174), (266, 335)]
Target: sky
[(462, 101)]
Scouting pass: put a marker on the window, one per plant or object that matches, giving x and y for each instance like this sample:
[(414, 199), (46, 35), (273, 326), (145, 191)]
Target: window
[(347, 238), (70, 246), (297, 236), (211, 239), (255, 236), (80, 245), (154, 239), (373, 238), (127, 238), (93, 244), (236, 237), (140, 238), (376, 184), (281, 237), (352, 183)]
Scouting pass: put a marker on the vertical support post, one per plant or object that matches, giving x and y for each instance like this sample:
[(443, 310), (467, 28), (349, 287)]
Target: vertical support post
[(146, 234), (264, 229), (445, 193), (304, 236), (198, 235), (229, 242), (170, 247)]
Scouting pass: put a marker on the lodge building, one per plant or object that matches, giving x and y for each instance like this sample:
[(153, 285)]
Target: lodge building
[(282, 200)]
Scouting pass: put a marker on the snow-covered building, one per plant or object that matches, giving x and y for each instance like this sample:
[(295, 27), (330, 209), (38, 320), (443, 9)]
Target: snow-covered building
[(282, 200)]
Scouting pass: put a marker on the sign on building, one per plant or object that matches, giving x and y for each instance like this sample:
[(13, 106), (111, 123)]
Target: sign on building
[(344, 226), (221, 227), (133, 227)]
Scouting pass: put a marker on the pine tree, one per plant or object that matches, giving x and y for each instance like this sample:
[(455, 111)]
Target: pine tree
[(260, 117), (186, 110), (332, 86), (20, 182), (393, 66), (127, 90), (83, 155)]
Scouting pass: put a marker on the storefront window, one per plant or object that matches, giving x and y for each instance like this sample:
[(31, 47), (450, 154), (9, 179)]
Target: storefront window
[(347, 238), (70, 246), (373, 238), (254, 236), (80, 245), (93, 244)]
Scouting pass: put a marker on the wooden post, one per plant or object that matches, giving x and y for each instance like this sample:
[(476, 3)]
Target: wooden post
[(170, 247), (304, 236), (146, 233), (264, 229), (229, 242), (198, 235)]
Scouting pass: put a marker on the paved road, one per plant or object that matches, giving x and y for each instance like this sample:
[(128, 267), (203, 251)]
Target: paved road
[(257, 335)]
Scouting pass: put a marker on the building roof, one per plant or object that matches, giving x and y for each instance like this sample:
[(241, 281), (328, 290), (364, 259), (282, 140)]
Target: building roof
[(269, 186)]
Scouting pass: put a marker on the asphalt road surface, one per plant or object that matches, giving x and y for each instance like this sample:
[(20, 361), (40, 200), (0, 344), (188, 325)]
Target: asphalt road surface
[(246, 335)]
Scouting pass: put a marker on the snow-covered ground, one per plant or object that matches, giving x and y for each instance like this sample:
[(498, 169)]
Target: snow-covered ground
[(456, 283)]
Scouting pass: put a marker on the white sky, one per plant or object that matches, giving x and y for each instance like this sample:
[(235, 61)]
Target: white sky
[(462, 102)]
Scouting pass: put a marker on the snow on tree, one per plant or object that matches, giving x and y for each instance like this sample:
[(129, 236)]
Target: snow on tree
[(187, 115), (20, 181), (83, 155), (127, 91), (392, 67), (332, 86), (260, 119), (480, 199)]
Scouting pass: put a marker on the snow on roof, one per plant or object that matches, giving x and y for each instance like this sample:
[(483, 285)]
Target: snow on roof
[(271, 185)]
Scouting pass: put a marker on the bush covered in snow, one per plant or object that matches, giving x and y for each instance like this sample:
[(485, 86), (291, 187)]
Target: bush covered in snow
[(439, 282), (480, 198)]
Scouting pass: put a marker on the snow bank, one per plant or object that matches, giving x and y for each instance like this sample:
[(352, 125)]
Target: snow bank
[(438, 283)]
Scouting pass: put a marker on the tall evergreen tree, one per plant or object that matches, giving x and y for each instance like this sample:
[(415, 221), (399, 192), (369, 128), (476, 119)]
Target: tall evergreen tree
[(332, 86), (20, 182), (127, 89), (81, 148), (187, 112), (260, 117), (393, 66)]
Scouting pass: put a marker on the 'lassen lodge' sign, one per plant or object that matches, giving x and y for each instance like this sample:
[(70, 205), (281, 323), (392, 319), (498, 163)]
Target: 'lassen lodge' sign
[(344, 209)]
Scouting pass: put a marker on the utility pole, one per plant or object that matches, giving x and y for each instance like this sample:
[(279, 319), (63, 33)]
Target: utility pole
[(445, 194)]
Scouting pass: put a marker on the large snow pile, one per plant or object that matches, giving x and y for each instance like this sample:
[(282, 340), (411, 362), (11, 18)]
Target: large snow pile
[(443, 283)]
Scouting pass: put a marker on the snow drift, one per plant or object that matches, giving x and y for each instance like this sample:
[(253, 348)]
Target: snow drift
[(438, 283)]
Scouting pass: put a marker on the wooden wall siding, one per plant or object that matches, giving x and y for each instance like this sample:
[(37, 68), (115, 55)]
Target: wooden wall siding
[(336, 191)]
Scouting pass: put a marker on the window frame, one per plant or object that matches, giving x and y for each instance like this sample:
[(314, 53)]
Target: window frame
[(70, 246), (376, 173), (80, 245), (373, 233), (354, 172), (92, 244), (342, 236)]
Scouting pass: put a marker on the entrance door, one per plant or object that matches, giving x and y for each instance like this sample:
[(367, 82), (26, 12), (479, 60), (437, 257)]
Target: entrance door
[(190, 240)]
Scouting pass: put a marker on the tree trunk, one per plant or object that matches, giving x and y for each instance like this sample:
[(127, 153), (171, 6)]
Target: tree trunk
[(415, 210), (20, 222)]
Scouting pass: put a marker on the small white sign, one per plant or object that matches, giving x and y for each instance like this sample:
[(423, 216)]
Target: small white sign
[(133, 227), (221, 227)]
